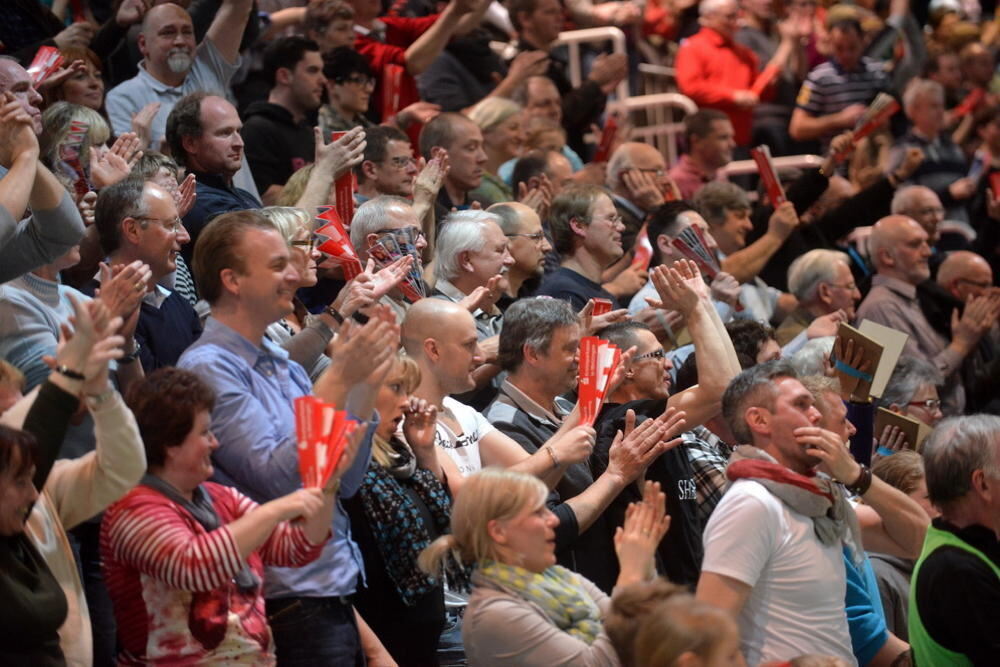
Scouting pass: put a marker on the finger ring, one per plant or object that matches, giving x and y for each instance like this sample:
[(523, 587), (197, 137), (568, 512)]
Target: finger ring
[(139, 286)]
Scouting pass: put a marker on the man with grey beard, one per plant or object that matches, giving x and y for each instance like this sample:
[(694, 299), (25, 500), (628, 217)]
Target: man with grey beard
[(173, 65)]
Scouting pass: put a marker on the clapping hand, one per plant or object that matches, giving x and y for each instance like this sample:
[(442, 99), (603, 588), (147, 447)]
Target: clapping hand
[(114, 165), (591, 323), (680, 286), (342, 155), (635, 542), (633, 450)]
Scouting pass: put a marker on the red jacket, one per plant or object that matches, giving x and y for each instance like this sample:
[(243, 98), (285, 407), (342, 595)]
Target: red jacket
[(710, 68), (400, 34)]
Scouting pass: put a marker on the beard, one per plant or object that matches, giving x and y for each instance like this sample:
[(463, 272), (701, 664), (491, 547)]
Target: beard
[(179, 61)]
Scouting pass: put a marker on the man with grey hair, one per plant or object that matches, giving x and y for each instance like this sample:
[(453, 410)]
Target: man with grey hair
[(955, 587), (945, 168), (822, 282), (775, 545), (54, 225), (527, 245), (637, 177), (923, 205)]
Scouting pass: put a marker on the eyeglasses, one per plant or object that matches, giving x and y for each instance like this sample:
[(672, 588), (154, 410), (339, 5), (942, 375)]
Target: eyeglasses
[(402, 161), (537, 237), (655, 354), (659, 172), (308, 244), (363, 81), (985, 284), (413, 232), (850, 287), (931, 404), (930, 210), (171, 226)]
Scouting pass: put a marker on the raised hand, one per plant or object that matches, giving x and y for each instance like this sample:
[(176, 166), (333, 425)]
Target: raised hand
[(388, 278), (574, 446), (430, 179), (86, 206), (635, 542), (528, 64), (142, 120), (591, 323), (420, 424), (634, 449), (680, 286), (826, 325), (61, 75), (115, 165), (340, 156), (131, 12), (418, 112), (185, 195), (76, 36), (725, 288), (17, 133), (784, 220), (483, 297)]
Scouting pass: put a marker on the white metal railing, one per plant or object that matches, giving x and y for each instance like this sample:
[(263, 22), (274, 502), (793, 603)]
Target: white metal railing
[(660, 129), (785, 162), (574, 38)]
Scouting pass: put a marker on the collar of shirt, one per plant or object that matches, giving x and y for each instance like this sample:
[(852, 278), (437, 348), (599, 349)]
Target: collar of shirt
[(216, 181), (977, 536), (632, 208), (157, 86), (157, 296), (218, 333), (900, 287), (513, 396), (686, 166), (455, 294)]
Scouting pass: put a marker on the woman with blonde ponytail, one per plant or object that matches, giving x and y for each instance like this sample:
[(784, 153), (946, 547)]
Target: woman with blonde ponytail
[(524, 609)]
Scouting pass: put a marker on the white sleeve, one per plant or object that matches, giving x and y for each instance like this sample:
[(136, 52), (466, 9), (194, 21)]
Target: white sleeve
[(742, 533)]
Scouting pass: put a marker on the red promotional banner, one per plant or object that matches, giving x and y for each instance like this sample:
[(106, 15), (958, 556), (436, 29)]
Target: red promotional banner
[(392, 83), (332, 240), (343, 189), (642, 251), (46, 61), (768, 175), (322, 433), (598, 361)]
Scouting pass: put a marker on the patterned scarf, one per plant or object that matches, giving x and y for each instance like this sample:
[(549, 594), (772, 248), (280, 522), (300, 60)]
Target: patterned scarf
[(816, 496), (556, 590), (398, 524)]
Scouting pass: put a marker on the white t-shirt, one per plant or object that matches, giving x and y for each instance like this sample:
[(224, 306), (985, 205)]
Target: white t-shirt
[(797, 602), (463, 449)]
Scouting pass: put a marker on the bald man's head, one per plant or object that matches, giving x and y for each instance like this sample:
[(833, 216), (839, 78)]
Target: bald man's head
[(965, 274), (899, 249), (167, 40), (441, 336)]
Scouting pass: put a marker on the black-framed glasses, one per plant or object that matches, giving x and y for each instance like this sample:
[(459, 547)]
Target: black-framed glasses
[(655, 354), (537, 237), (358, 80), (931, 404), (413, 231), (172, 226)]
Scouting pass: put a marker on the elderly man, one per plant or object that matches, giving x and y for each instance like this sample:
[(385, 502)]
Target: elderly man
[(822, 282), (138, 220), (637, 178), (538, 23), (922, 204), (899, 252), (774, 547), (717, 72), (527, 245), (710, 141), (945, 168), (959, 569), (587, 233), (836, 93), (243, 270), (174, 65), (456, 136), (54, 225)]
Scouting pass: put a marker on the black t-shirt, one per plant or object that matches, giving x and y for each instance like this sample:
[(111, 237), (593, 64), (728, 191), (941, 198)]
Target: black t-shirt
[(573, 287), (680, 553), (958, 596)]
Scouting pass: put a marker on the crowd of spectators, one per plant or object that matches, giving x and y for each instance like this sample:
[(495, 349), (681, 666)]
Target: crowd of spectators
[(168, 303)]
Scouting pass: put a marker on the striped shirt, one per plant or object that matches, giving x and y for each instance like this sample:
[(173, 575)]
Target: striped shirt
[(829, 88), (171, 581)]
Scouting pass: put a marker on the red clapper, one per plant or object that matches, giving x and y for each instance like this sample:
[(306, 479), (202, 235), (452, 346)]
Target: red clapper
[(598, 361), (332, 240), (768, 175), (323, 433), (343, 189)]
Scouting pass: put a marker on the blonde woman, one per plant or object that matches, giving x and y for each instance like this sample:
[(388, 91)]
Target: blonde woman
[(524, 609), (499, 120), (684, 632)]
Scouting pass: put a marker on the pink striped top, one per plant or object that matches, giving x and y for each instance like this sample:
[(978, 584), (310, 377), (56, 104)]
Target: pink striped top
[(172, 585)]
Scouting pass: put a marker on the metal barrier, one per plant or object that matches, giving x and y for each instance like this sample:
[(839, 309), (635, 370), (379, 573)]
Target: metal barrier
[(660, 128), (573, 38), (786, 162)]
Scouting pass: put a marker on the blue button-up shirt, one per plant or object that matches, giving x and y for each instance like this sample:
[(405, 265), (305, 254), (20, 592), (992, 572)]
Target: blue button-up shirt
[(254, 421)]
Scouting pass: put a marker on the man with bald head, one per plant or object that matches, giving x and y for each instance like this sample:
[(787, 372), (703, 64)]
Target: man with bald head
[(637, 178), (527, 245), (441, 337), (173, 65), (900, 253)]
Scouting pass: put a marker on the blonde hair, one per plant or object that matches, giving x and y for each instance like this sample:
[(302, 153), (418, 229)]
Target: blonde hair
[(408, 372), (492, 494), (295, 186), (56, 122), (629, 606), (493, 111), (288, 220), (677, 626)]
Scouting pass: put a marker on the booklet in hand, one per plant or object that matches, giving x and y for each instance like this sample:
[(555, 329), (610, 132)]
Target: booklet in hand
[(913, 430), (323, 433), (598, 361)]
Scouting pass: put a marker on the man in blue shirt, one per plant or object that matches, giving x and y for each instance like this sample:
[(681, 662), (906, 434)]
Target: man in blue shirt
[(243, 270)]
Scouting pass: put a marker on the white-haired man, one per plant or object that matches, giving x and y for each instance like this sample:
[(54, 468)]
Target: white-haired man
[(822, 282)]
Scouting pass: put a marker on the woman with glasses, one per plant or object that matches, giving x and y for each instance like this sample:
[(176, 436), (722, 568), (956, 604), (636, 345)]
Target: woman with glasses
[(349, 85), (912, 391)]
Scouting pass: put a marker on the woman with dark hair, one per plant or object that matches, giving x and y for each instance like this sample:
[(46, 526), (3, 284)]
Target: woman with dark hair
[(183, 557)]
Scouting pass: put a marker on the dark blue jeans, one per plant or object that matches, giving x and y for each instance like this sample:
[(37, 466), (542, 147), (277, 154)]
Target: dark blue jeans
[(315, 632)]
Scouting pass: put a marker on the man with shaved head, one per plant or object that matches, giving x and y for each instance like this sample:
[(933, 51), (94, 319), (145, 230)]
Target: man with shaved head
[(900, 253), (173, 65), (441, 337)]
